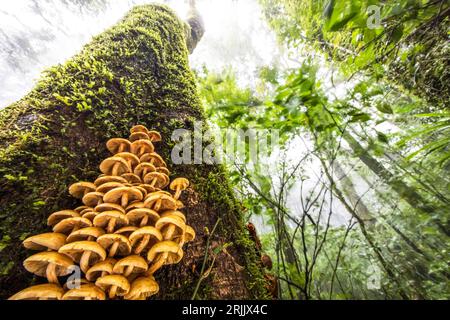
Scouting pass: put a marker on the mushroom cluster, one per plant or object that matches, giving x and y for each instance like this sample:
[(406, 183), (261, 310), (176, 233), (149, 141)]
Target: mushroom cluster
[(127, 228)]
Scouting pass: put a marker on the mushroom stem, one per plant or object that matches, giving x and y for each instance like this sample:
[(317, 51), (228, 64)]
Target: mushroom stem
[(128, 271), (50, 272), (124, 200), (113, 249), (177, 193), (115, 168), (169, 232), (144, 221), (121, 148), (112, 292), (142, 244), (111, 225), (157, 205), (75, 228), (153, 182), (84, 261), (157, 264)]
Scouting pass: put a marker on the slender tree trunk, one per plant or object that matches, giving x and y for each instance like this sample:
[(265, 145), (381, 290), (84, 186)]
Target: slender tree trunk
[(136, 72), (407, 193)]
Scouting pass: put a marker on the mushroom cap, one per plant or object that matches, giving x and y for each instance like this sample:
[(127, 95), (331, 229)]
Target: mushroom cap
[(141, 189), (181, 183), (85, 234), (143, 166), (131, 178), (189, 233), (81, 208), (122, 284), (102, 219), (114, 144), (37, 263), (85, 210), (129, 157), (58, 216), (107, 240), (167, 202), (136, 215), (44, 241), (138, 135), (163, 170), (92, 199), (142, 288), (139, 128), (76, 249), (149, 188), (139, 147), (90, 215), (136, 236), (97, 269), (67, 225), (171, 220), (135, 204), (104, 188), (78, 189), (162, 180), (177, 213), (137, 262), (106, 179), (175, 253), (109, 207), (107, 166), (90, 291), (157, 160), (126, 231), (154, 136), (115, 195), (49, 291)]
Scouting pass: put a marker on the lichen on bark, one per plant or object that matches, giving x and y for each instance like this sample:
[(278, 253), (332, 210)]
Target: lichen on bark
[(135, 72)]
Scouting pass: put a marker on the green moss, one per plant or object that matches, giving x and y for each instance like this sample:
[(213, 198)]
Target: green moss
[(135, 72)]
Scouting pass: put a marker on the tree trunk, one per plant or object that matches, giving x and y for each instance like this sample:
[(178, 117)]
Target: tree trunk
[(135, 73)]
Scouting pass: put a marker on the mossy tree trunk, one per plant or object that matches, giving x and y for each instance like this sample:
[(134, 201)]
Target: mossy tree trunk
[(136, 72)]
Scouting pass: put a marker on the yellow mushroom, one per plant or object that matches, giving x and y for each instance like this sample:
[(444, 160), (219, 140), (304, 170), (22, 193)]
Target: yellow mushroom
[(110, 220), (154, 159), (114, 285), (105, 179), (49, 264), (139, 147), (93, 199), (70, 225), (85, 234), (178, 185), (45, 241), (142, 216), (79, 189), (58, 216), (123, 196), (142, 288), (48, 291), (156, 179), (86, 253), (115, 244), (144, 238), (85, 292), (117, 145), (114, 166), (100, 269), (164, 252), (132, 264)]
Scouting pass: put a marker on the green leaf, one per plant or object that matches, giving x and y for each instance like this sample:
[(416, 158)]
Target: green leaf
[(385, 108)]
